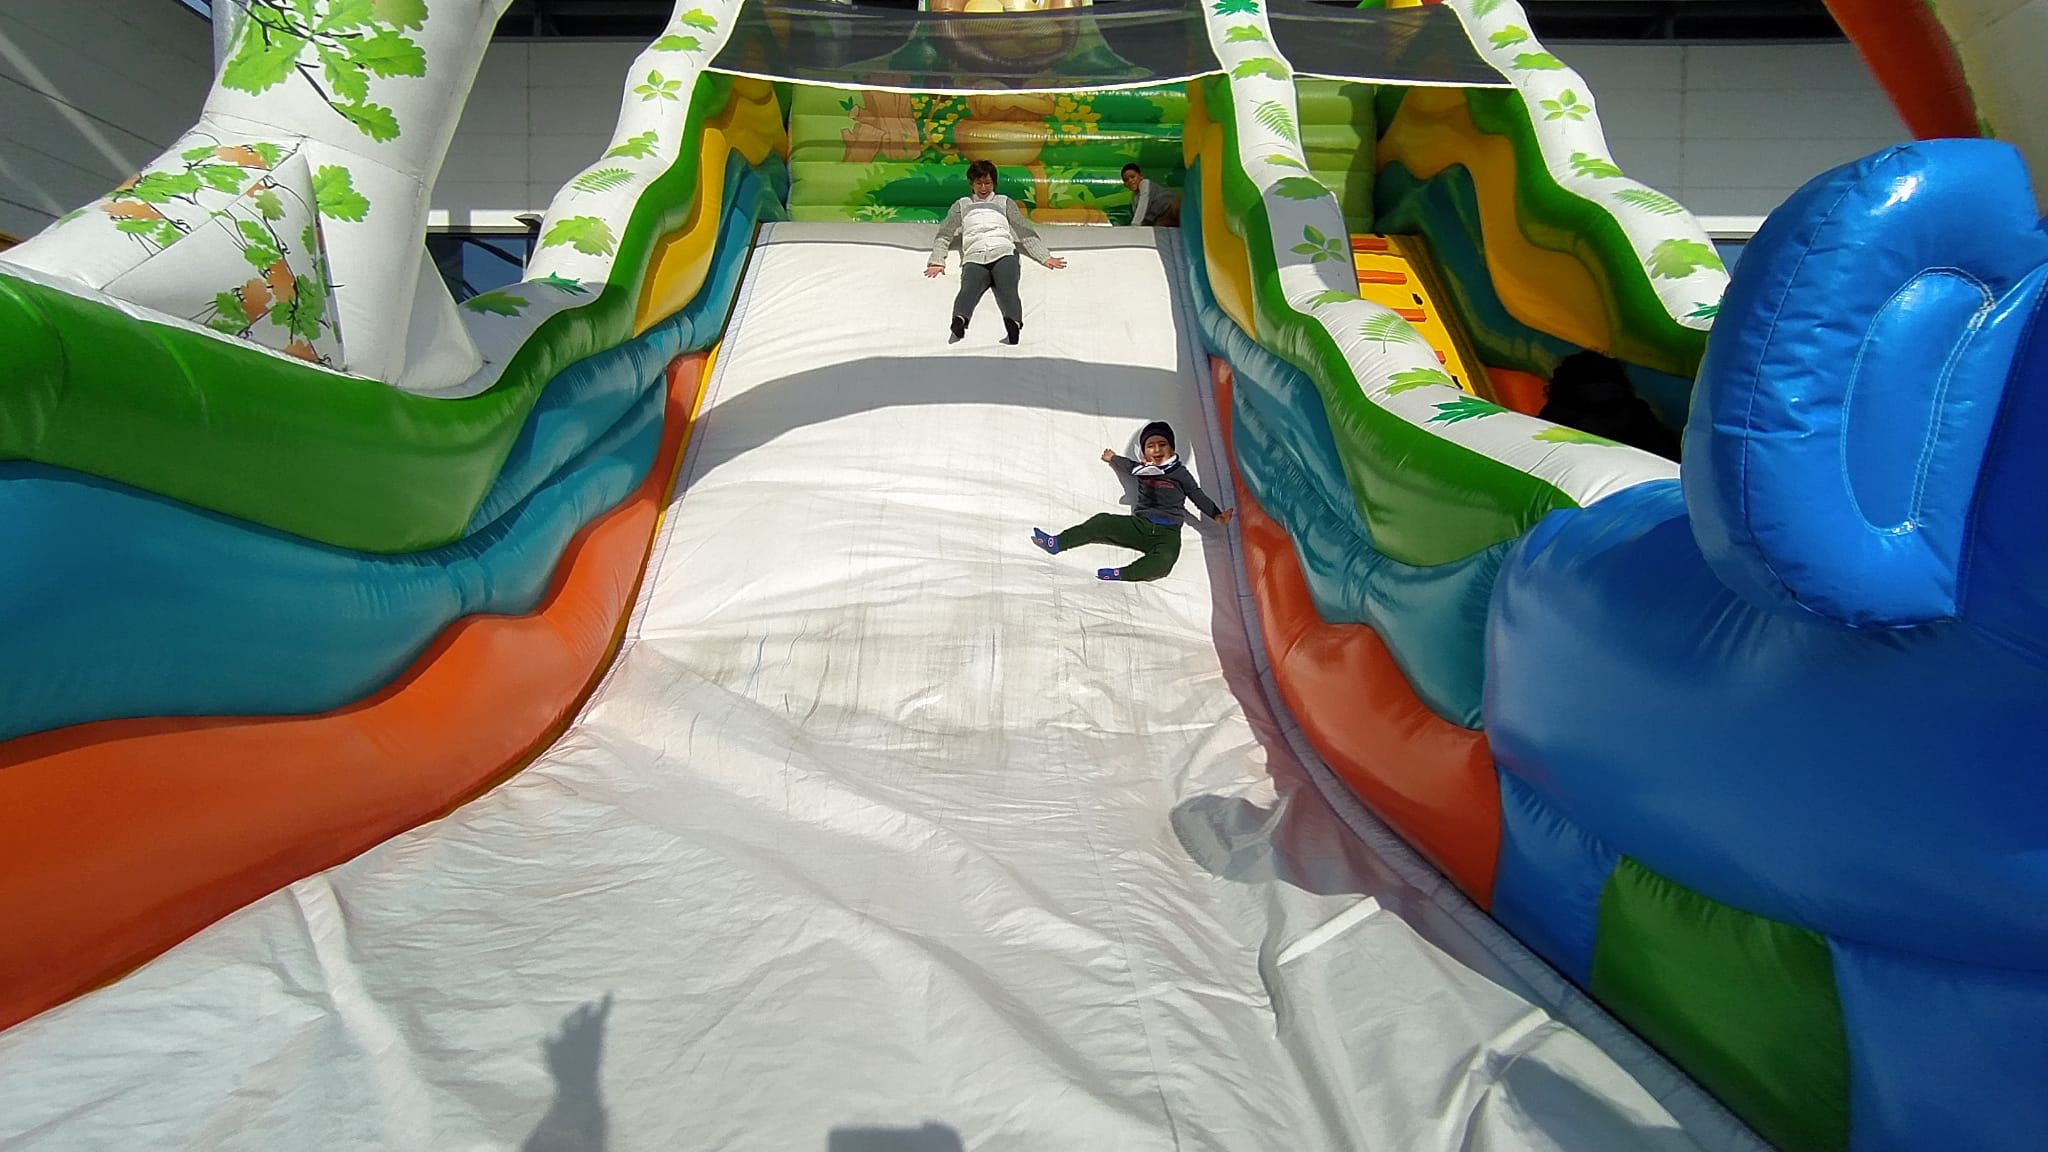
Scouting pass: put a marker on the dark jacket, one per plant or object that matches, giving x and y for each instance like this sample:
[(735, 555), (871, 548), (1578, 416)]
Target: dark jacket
[(1163, 499)]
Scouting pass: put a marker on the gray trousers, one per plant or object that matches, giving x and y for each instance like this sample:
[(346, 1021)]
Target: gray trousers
[(976, 279)]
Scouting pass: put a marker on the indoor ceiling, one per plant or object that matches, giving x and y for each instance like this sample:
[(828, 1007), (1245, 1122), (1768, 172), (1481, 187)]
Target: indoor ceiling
[(1553, 19)]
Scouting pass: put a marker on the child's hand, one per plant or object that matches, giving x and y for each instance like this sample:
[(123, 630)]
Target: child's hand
[(1107, 455), (1224, 516), (1056, 262), (934, 271)]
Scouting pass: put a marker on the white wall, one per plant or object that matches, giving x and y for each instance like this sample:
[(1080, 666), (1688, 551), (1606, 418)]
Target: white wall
[(90, 91), (1731, 130)]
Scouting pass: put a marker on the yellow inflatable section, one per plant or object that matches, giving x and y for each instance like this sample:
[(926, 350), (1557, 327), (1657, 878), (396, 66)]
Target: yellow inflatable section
[(1549, 291), (1230, 270)]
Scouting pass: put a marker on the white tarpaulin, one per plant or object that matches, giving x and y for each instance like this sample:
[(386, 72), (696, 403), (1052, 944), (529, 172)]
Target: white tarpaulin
[(885, 831)]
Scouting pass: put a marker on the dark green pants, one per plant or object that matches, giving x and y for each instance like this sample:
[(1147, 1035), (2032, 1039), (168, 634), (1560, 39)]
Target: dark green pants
[(1160, 543)]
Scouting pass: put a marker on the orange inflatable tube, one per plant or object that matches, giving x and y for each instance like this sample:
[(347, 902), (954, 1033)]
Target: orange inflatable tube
[(119, 839), (1523, 392), (1905, 47), (1430, 780)]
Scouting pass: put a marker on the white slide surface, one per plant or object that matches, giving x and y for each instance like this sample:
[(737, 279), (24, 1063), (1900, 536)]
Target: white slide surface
[(885, 831)]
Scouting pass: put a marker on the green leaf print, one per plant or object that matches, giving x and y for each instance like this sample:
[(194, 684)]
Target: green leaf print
[(162, 187), (1593, 166), (1299, 188), (635, 148), (1484, 7), (336, 46), (222, 177), (346, 82), (267, 203), (1675, 259), (259, 247), (1259, 66), (699, 19), (1704, 311), (1649, 201), (658, 87), (602, 180), (1410, 379), (1244, 34), (227, 306), (1509, 36), (1464, 408), (403, 14), (1566, 107), (561, 283), (200, 152), (1286, 161), (262, 60), (1536, 62), (1559, 434), (343, 15), (1235, 7), (269, 154), (498, 303), (676, 43), (335, 195), (587, 234), (373, 120), (1330, 296), (1274, 115), (1387, 328)]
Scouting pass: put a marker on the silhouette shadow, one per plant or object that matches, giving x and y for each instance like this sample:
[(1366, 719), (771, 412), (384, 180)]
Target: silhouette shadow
[(575, 1121), (928, 1137)]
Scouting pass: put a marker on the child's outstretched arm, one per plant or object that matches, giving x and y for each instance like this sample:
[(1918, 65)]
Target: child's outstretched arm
[(1028, 239), (949, 233), (1199, 498), (1120, 463)]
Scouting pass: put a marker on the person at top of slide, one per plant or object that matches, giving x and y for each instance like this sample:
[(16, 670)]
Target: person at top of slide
[(989, 230), (1151, 205), (1153, 525)]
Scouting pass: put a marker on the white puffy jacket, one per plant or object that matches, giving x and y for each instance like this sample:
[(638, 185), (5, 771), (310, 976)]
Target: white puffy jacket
[(987, 230)]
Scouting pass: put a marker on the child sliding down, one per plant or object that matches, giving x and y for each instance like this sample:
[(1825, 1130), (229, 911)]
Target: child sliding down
[(989, 230), (1153, 527)]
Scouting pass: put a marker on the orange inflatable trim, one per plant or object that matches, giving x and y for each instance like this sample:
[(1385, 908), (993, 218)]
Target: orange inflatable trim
[(1429, 779), (121, 838), (1905, 47), (1523, 392)]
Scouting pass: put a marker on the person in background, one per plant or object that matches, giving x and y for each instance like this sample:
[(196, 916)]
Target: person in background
[(1591, 393), (989, 229), (1151, 205)]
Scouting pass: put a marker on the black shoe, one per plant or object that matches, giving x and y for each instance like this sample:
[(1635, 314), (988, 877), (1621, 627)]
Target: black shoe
[(1010, 329), (959, 330)]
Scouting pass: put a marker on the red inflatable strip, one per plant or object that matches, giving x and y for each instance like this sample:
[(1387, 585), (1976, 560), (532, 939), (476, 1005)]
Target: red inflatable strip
[(1430, 780), (1904, 46), (1523, 392), (119, 839)]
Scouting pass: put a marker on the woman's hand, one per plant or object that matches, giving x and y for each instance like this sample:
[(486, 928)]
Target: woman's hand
[(934, 271), (1056, 262), (1107, 455), (1224, 516)]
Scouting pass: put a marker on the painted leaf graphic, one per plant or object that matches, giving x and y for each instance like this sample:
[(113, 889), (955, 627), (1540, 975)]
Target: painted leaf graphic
[(635, 148), (1650, 201), (1235, 7), (345, 81), (400, 13), (163, 187), (1285, 161), (201, 152), (1274, 115), (562, 283), (263, 58), (228, 307), (496, 303), (258, 248), (1387, 328), (1593, 166), (674, 42), (268, 205), (1559, 434), (389, 54), (221, 177), (1410, 379), (1704, 312), (1244, 34), (1484, 7), (335, 195), (343, 15), (1299, 188), (1566, 107), (587, 234), (1330, 296), (1536, 62), (268, 154), (1509, 36), (699, 19), (1313, 234), (602, 180), (372, 120), (1677, 258), (1260, 66), (1464, 408), (1312, 250)]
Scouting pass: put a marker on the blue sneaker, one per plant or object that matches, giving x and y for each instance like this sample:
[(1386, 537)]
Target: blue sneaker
[(1108, 574), (1044, 540)]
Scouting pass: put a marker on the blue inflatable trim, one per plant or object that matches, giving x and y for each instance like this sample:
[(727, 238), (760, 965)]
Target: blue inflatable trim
[(1433, 619), (133, 605)]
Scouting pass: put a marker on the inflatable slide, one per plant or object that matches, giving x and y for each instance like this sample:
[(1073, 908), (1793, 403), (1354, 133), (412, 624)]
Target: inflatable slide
[(623, 709)]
